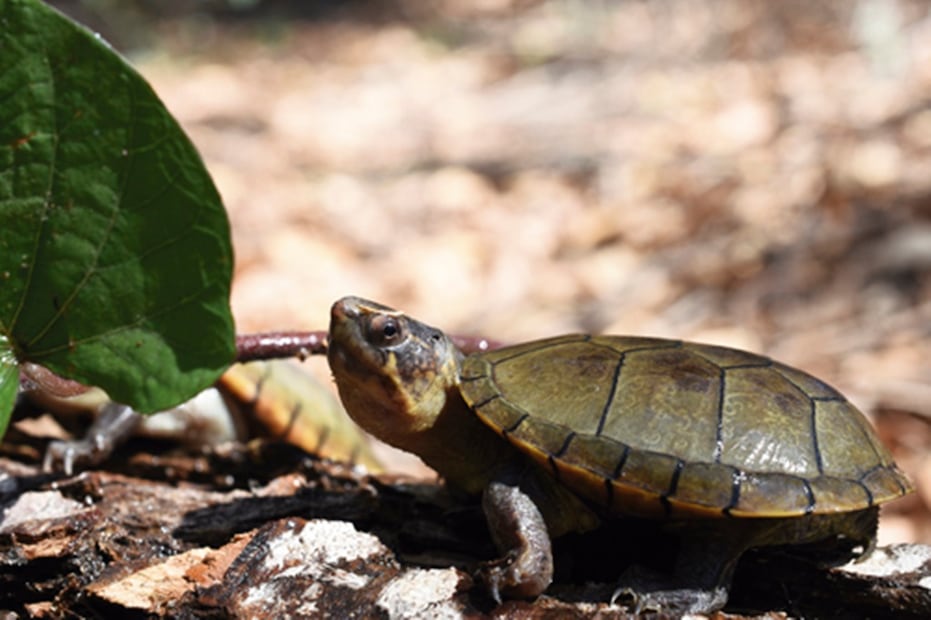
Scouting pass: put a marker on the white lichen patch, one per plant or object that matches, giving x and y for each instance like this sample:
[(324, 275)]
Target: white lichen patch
[(324, 572), (45, 505), (304, 562), (892, 560), (261, 594), (321, 542), (421, 593), (346, 579), (319, 549)]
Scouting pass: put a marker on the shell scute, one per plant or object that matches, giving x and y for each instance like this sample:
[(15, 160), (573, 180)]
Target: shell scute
[(773, 495), (665, 400), (706, 484), (844, 442), (600, 456), (814, 387), (766, 424), (538, 378), (541, 437), (843, 494), (884, 484), (726, 357)]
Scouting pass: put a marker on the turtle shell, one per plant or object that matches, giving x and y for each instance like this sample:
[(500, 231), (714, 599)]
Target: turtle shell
[(656, 427)]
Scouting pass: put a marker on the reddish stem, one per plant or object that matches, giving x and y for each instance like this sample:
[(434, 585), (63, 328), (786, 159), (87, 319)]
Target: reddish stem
[(272, 345), (249, 347)]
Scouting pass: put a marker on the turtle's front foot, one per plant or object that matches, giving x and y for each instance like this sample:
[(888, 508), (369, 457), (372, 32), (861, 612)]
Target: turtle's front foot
[(513, 577), (113, 424), (518, 529)]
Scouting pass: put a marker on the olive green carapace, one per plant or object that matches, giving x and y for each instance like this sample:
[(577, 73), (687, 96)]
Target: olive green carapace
[(660, 427)]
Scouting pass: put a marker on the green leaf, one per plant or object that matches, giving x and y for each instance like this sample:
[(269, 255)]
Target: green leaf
[(9, 382), (115, 257)]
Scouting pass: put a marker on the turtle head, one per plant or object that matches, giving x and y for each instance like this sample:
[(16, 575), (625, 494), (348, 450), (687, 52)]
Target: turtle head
[(394, 374)]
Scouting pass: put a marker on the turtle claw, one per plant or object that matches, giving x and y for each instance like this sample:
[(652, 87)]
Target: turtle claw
[(61, 454), (494, 577), (509, 577)]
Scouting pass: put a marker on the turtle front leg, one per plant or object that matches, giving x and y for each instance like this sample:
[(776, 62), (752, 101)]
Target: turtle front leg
[(520, 533)]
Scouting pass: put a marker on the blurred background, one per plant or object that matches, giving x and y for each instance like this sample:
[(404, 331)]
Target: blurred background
[(741, 172)]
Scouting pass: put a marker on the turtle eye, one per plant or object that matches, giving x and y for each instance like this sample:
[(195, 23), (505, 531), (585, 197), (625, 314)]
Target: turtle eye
[(384, 330)]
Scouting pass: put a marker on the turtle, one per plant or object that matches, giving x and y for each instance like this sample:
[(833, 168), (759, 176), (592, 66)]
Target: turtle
[(727, 449), (262, 398)]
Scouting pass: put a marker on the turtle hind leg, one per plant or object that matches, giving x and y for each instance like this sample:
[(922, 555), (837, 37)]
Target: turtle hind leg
[(651, 593), (646, 590), (700, 583)]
